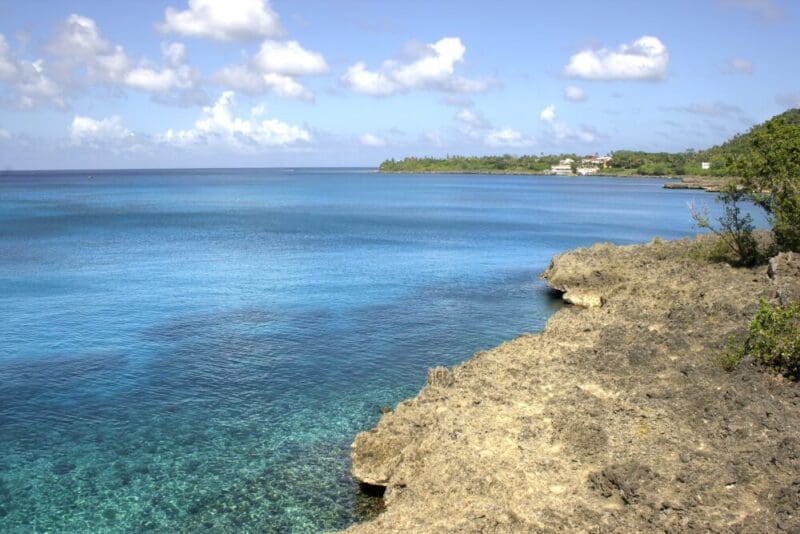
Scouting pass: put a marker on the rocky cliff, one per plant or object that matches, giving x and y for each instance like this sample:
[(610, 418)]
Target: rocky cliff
[(614, 418)]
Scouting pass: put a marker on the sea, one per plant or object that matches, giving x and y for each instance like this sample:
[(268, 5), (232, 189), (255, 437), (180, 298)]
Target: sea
[(189, 350)]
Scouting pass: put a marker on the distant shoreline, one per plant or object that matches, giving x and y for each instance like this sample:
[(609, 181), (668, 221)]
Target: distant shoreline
[(711, 184)]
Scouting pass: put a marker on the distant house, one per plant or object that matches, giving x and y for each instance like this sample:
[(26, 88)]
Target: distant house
[(706, 165), (601, 162), (586, 171), (564, 168)]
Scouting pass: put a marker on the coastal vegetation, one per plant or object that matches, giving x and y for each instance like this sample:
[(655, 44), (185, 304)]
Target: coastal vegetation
[(477, 164), (768, 161), (736, 242), (722, 160), (773, 340)]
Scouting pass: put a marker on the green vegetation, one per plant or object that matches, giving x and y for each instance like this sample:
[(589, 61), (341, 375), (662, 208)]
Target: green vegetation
[(485, 164), (736, 243), (768, 160), (727, 159), (770, 167), (730, 358), (773, 340)]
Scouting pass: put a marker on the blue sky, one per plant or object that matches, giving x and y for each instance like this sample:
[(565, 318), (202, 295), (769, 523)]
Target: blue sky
[(226, 83)]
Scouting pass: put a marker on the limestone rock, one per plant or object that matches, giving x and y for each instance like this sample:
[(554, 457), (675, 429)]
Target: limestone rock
[(784, 271), (612, 419)]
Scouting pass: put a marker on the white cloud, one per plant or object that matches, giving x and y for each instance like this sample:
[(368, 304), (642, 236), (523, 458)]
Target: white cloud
[(645, 59), (548, 114), (507, 137), (583, 134), (93, 132), (156, 80), (472, 122), (742, 65), (433, 70), (246, 79), (8, 66), (768, 9), (175, 75), (472, 118), (223, 20), (372, 140), (85, 54), (289, 58), (174, 53), (361, 80), (78, 42), (574, 94), (5, 134), (29, 81), (219, 124), (274, 69), (562, 132)]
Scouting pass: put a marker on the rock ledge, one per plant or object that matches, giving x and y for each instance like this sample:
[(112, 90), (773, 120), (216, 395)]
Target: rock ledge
[(612, 419)]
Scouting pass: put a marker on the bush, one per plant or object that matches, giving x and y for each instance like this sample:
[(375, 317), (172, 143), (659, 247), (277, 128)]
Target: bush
[(774, 338), (730, 358), (735, 230), (770, 166)]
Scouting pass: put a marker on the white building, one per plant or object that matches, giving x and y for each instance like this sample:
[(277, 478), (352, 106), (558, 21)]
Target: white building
[(596, 161), (564, 168)]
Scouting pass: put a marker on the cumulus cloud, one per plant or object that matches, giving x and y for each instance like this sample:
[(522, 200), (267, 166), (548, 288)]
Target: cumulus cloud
[(562, 132), (548, 114), (433, 69), (738, 64), (472, 122), (767, 9), (472, 118), (94, 132), (274, 68), (507, 137), (219, 124), (28, 81), (289, 58), (78, 42), (223, 20), (574, 94), (86, 56), (175, 74), (372, 140), (644, 59), (8, 66)]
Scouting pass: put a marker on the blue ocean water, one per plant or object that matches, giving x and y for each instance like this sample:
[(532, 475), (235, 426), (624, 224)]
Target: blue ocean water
[(187, 350)]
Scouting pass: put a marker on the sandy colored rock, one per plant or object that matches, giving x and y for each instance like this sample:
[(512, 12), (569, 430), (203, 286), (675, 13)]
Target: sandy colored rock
[(613, 419), (784, 271)]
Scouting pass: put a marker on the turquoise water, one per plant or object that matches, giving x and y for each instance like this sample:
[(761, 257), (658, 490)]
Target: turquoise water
[(187, 350)]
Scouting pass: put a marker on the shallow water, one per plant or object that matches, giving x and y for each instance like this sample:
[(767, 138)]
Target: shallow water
[(196, 349)]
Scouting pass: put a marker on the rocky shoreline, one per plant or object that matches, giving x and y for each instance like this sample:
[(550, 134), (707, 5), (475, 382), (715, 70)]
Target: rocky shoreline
[(711, 184), (613, 418)]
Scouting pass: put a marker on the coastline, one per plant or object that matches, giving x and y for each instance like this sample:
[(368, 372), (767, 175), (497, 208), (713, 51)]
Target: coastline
[(711, 184), (614, 417)]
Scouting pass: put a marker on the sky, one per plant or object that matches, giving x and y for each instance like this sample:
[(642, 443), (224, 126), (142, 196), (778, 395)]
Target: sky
[(90, 84)]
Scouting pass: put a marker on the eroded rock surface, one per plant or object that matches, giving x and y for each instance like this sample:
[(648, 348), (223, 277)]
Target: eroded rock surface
[(613, 419)]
